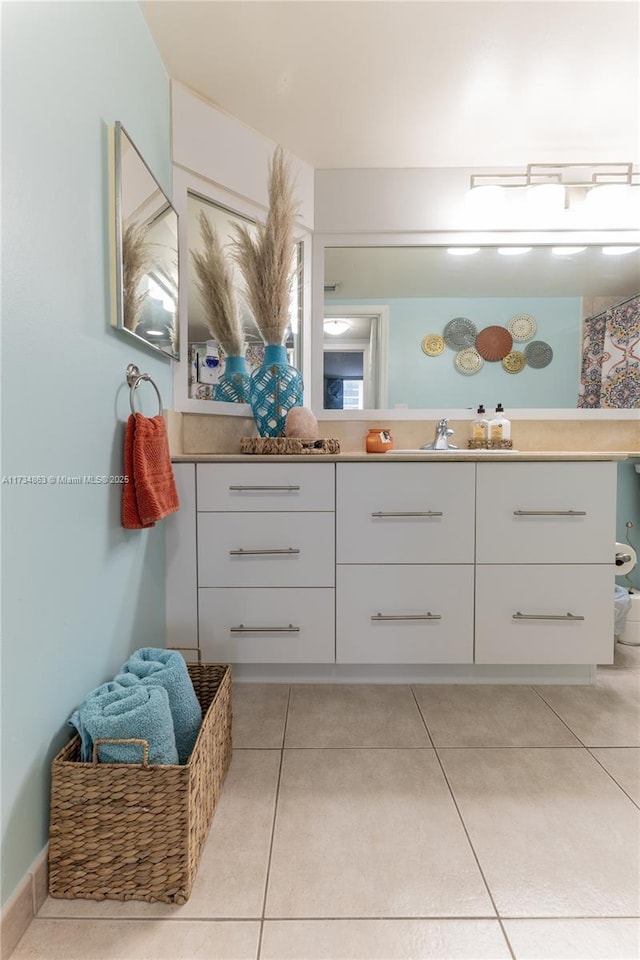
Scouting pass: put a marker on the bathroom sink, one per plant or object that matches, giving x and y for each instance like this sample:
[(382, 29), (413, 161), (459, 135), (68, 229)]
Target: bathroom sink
[(430, 453)]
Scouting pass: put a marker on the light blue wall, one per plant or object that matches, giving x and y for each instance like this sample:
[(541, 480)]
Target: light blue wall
[(79, 592), (422, 382), (629, 510)]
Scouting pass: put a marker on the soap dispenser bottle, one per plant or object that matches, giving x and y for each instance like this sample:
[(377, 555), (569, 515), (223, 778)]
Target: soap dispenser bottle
[(480, 428), (499, 426)]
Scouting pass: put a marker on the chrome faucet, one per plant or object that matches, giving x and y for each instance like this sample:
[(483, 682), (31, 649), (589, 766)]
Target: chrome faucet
[(441, 439)]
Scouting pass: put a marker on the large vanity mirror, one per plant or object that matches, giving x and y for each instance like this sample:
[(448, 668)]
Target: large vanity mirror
[(144, 250), (449, 327), (206, 357)]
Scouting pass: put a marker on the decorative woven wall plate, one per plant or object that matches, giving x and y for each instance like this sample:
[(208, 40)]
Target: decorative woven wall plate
[(539, 354), (433, 344), (514, 362), (494, 343), (522, 327), (460, 333), (468, 361)]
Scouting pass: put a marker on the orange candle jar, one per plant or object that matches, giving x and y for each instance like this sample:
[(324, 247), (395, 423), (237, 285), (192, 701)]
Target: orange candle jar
[(378, 440)]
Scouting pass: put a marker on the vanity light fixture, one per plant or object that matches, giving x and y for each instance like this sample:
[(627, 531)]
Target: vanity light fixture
[(618, 251), (156, 333), (566, 251), (606, 189), (335, 327), (513, 251), (462, 251)]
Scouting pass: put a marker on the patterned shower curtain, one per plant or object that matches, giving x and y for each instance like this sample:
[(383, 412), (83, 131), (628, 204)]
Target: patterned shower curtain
[(610, 374)]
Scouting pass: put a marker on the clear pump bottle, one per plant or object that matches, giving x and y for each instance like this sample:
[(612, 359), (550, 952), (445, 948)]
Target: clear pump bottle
[(499, 426), (480, 428)]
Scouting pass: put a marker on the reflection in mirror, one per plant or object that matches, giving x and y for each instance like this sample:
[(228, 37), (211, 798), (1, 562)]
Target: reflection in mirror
[(144, 251), (550, 310), (206, 357)]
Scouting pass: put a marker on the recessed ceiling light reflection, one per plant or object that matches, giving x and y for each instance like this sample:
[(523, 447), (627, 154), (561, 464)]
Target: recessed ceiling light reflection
[(618, 251), (462, 251), (513, 251), (566, 251)]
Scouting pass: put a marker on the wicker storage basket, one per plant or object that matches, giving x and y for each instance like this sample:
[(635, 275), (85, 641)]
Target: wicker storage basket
[(122, 831)]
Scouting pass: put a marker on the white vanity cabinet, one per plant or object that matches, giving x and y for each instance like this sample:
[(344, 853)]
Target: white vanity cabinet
[(544, 570), (389, 562), (404, 552)]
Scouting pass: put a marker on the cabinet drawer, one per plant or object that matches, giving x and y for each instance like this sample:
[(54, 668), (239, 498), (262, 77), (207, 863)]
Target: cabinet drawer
[(546, 512), (405, 512), (512, 603), (265, 550), (267, 626), (266, 486), (426, 614)]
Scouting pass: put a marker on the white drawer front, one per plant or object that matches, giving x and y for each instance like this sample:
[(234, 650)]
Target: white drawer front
[(437, 501), (546, 512), (265, 550), (535, 592), (267, 626), (266, 486), (403, 592)]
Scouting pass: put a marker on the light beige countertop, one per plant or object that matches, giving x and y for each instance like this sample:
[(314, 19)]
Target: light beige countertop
[(474, 456)]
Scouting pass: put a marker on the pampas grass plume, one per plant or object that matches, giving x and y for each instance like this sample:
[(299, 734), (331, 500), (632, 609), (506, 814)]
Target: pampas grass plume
[(214, 280)]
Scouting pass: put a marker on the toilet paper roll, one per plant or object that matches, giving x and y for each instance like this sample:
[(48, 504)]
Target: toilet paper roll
[(625, 550)]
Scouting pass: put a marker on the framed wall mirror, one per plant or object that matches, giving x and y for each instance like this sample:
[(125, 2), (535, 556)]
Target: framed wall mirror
[(144, 250), (206, 358), (565, 297)]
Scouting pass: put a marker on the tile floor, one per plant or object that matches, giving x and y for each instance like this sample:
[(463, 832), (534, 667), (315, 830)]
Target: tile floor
[(382, 822)]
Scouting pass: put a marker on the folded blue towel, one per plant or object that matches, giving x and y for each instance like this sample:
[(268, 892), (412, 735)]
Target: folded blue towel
[(167, 669), (133, 712)]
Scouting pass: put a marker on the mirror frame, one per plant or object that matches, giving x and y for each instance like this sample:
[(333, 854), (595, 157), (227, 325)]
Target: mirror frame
[(185, 181), (116, 132), (449, 239)]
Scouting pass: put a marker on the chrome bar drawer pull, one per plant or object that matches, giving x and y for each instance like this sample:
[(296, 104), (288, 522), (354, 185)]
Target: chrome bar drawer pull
[(288, 488), (242, 629), (546, 616), (549, 513), (425, 513), (241, 552), (408, 616)]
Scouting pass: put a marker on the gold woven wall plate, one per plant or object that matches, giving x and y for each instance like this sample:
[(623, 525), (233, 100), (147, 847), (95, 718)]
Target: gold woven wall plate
[(514, 362), (433, 344)]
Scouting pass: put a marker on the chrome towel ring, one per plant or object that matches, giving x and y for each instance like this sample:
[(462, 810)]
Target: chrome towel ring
[(134, 377)]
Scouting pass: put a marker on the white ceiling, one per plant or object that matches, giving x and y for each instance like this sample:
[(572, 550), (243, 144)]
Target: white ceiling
[(425, 83)]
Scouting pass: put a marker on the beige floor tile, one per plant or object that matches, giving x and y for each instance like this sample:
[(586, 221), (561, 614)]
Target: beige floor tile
[(383, 940), (370, 833), (606, 714), (490, 715), (259, 712), (354, 715), (623, 763), (232, 874), (138, 940), (553, 834), (574, 939)]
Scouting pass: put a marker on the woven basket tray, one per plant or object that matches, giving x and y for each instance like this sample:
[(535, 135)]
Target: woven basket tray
[(120, 831), (290, 445)]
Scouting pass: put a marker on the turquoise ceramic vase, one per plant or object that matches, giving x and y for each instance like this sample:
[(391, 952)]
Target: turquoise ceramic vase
[(234, 386), (276, 387)]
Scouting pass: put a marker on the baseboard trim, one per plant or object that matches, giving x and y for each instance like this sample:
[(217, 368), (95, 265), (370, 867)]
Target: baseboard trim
[(23, 904)]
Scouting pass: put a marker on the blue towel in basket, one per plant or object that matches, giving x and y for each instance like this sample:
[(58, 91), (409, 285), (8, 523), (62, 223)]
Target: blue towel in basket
[(135, 711), (167, 669)]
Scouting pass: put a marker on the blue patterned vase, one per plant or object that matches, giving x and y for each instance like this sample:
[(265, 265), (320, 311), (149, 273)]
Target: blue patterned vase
[(276, 386), (234, 386)]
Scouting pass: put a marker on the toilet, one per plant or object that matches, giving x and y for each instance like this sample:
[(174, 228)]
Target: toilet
[(626, 561), (631, 633)]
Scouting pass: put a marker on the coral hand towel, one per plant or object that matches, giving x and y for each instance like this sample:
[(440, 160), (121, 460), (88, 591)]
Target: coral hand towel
[(151, 491)]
